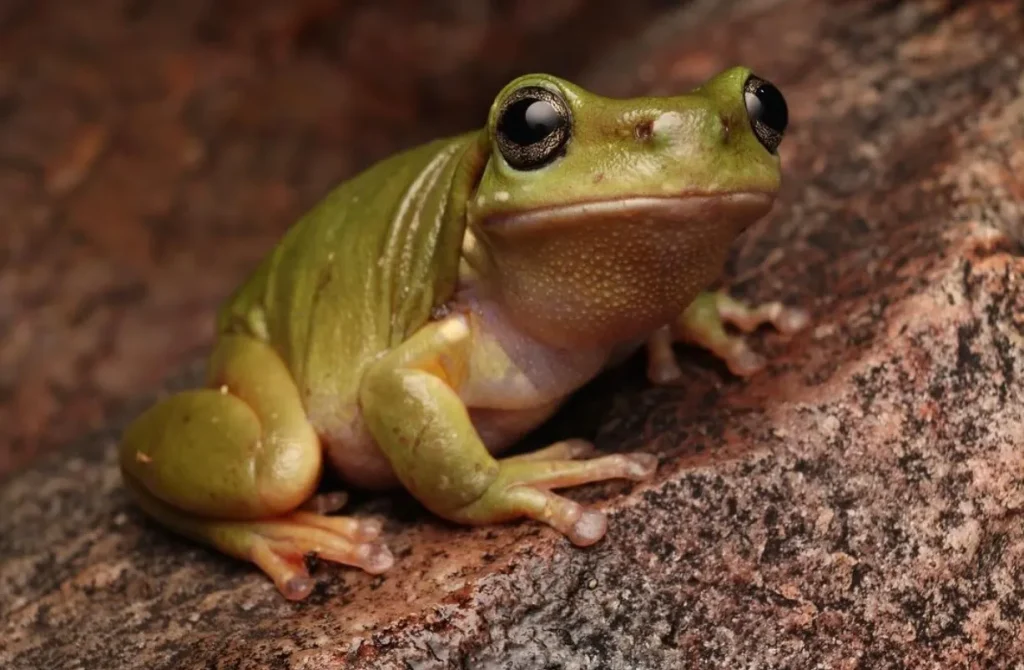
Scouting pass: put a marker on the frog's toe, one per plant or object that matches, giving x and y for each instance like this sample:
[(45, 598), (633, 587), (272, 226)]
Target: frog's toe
[(664, 374), (792, 320), (588, 529), (642, 466), (286, 570), (741, 360), (326, 503), (662, 367), (557, 474), (570, 449), (352, 528), (747, 318), (373, 558)]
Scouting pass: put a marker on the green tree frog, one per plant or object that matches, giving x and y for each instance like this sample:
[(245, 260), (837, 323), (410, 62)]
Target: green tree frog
[(434, 308)]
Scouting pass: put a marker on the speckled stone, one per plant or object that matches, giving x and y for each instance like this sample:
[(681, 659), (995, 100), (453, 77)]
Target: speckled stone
[(855, 506)]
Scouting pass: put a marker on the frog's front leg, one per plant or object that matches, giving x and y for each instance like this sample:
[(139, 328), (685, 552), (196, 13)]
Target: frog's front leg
[(704, 323), (410, 401), (235, 466)]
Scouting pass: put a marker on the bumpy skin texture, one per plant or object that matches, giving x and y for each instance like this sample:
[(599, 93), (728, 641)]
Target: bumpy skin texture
[(435, 308)]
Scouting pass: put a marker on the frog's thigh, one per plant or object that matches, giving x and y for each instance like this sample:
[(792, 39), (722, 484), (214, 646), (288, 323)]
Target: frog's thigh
[(411, 404), (241, 449), (235, 466)]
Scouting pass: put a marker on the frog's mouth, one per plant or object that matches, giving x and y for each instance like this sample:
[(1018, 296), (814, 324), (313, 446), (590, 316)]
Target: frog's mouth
[(698, 209)]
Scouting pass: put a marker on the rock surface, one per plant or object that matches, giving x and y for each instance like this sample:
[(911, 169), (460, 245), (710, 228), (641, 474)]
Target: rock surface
[(855, 506)]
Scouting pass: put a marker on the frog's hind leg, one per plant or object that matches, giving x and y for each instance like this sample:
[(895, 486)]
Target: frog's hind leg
[(235, 466), (704, 322)]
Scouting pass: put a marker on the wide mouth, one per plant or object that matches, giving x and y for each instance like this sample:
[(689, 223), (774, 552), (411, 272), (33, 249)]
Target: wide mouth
[(741, 208)]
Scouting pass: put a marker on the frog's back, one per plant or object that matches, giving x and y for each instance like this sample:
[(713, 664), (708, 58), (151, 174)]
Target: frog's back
[(362, 270)]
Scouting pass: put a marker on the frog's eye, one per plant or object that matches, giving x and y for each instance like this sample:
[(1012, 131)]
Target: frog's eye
[(533, 127), (767, 111)]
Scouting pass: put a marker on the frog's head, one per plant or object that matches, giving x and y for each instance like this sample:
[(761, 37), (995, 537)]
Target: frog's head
[(601, 219)]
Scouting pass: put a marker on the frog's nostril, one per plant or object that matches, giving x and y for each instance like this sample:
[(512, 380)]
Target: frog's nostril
[(726, 125)]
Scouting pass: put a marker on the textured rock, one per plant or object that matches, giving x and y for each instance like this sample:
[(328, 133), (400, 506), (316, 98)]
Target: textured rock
[(855, 506)]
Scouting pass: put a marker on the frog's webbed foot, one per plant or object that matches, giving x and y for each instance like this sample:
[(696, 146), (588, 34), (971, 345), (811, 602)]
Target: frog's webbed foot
[(704, 323), (279, 547), (524, 482)]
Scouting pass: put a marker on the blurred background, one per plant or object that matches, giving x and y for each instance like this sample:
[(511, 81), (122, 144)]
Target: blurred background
[(151, 152)]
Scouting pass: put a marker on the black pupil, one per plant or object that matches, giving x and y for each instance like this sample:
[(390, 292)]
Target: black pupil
[(767, 105), (530, 120)]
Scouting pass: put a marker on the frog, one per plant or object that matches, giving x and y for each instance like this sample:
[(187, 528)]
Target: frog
[(431, 311)]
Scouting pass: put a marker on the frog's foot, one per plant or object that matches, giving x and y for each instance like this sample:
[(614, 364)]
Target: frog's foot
[(704, 324), (279, 547), (523, 488)]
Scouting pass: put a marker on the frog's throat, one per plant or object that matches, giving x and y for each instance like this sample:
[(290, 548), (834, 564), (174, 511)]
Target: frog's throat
[(742, 208)]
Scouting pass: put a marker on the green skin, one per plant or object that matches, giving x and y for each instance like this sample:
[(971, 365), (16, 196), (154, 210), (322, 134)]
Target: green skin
[(439, 305)]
